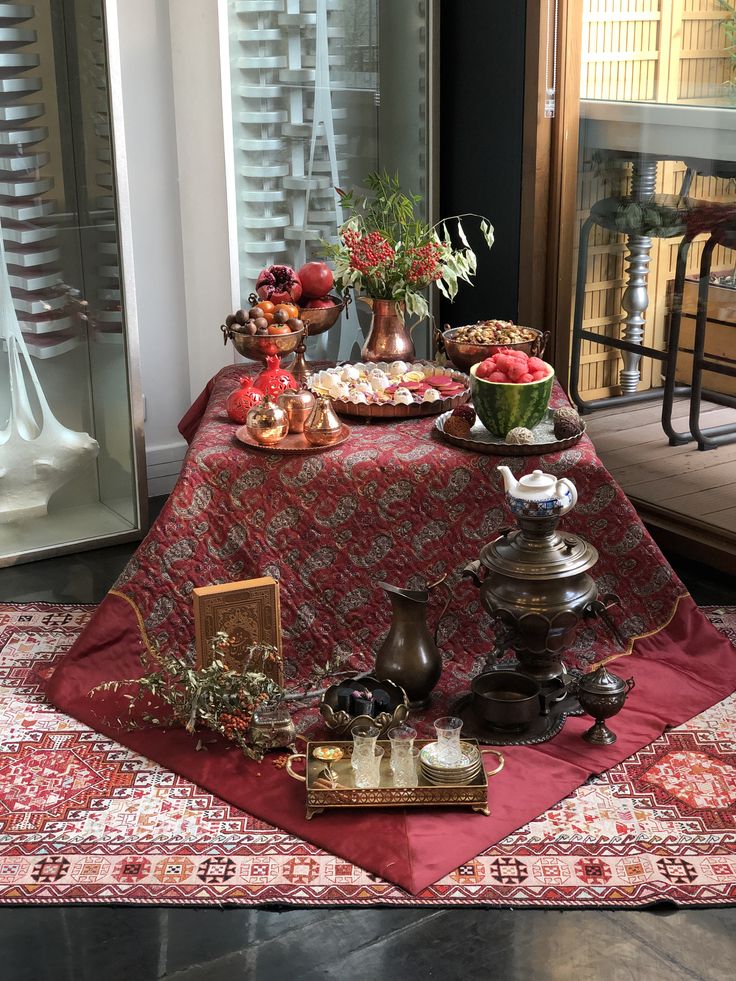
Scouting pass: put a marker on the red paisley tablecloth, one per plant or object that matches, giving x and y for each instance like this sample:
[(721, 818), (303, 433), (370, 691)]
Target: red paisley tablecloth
[(393, 503)]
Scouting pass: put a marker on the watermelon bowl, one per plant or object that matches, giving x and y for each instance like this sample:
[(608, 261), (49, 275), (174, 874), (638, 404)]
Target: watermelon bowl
[(502, 406)]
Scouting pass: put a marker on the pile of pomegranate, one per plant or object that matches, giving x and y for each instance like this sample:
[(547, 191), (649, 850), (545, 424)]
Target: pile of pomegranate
[(310, 287)]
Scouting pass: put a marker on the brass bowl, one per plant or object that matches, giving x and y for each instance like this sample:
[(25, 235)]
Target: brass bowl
[(258, 347), (343, 723), (464, 354), (318, 321)]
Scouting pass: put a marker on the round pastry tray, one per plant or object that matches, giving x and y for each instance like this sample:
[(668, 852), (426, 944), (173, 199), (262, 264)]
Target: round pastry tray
[(481, 441), (389, 410), (291, 443)]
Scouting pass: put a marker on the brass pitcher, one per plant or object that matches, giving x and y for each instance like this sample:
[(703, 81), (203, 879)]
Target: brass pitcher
[(409, 655)]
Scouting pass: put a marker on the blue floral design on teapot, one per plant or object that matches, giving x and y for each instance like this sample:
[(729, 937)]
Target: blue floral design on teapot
[(538, 494)]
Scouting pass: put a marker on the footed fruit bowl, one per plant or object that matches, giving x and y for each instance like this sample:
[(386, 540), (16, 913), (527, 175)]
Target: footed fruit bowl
[(258, 347), (319, 319), (503, 406)]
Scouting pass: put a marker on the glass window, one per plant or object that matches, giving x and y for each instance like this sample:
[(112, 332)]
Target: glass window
[(66, 452), (323, 93)]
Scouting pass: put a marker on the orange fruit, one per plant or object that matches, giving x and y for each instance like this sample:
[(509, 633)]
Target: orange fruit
[(291, 308)]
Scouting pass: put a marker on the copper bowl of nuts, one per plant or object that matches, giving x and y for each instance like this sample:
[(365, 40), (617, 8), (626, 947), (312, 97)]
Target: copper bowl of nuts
[(473, 343)]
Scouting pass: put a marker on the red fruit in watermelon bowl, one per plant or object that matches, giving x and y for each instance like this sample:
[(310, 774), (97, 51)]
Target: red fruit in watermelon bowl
[(242, 400), (509, 390)]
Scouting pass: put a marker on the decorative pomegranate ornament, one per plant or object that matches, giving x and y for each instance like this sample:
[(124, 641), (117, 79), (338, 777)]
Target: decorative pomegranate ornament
[(266, 423), (242, 399), (279, 284), (274, 379)]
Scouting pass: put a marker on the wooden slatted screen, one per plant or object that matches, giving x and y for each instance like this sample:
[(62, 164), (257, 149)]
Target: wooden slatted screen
[(643, 51)]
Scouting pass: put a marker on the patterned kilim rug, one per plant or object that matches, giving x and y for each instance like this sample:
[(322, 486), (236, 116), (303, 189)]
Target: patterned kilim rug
[(84, 820)]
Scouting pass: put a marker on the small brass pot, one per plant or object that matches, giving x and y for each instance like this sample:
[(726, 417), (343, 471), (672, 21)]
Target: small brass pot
[(297, 405), (602, 695), (267, 423), (510, 701), (322, 427)]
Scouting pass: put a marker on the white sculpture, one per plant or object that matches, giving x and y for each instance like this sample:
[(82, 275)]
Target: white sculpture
[(37, 454)]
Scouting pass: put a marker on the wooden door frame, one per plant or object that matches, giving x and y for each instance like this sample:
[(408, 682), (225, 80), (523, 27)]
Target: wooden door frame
[(549, 179)]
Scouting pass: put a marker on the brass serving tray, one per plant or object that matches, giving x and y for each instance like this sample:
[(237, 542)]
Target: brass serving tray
[(473, 794), (481, 441), (291, 443)]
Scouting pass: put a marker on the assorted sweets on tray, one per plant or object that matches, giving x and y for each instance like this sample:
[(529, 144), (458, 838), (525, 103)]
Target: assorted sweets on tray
[(396, 383)]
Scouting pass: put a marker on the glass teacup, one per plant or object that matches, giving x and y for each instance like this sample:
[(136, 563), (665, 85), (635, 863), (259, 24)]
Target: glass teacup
[(402, 743), (405, 769), (368, 768), (449, 752), (364, 742)]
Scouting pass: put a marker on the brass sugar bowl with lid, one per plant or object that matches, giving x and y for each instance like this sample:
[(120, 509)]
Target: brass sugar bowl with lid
[(602, 694), (535, 581)]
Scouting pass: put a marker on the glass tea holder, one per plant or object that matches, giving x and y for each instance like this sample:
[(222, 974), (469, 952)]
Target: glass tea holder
[(368, 768), (402, 743), (364, 742), (406, 769), (449, 752)]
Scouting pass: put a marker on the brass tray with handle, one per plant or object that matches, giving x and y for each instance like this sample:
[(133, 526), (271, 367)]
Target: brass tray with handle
[(320, 774)]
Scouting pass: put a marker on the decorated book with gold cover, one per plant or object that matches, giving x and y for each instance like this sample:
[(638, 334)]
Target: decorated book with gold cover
[(249, 613)]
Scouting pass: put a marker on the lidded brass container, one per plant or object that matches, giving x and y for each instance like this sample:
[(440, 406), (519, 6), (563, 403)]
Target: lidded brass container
[(602, 694), (297, 405), (534, 580)]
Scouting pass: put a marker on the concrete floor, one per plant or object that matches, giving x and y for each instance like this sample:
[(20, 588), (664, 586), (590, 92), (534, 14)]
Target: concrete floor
[(100, 943)]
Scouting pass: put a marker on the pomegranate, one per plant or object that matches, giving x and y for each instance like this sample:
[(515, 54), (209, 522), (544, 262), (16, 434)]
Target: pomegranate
[(316, 279), (274, 379), (322, 303), (242, 399), (279, 284)]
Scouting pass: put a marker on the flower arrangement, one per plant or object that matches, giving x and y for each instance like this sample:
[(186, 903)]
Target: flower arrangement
[(385, 252), (216, 697)]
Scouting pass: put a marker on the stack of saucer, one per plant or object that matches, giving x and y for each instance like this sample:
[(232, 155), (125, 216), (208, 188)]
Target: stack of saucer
[(462, 772)]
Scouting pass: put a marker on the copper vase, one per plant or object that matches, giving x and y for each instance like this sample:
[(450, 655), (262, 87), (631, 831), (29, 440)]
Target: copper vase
[(388, 338)]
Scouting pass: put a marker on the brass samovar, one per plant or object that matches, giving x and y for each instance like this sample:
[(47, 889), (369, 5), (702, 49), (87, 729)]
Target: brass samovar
[(533, 580)]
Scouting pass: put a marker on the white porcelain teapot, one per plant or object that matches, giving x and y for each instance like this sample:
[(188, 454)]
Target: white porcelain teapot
[(538, 494)]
